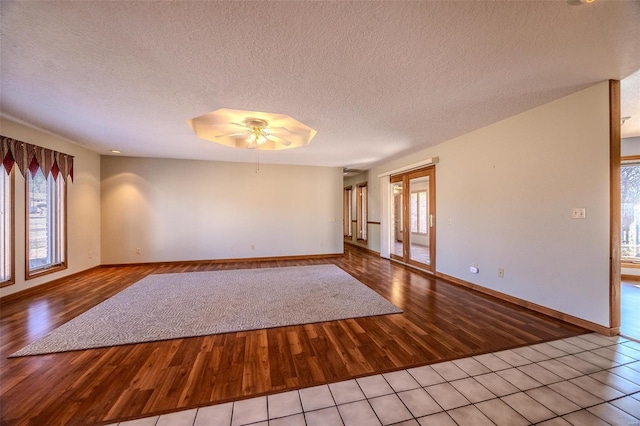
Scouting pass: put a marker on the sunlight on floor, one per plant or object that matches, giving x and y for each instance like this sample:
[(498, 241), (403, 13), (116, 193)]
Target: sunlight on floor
[(629, 312)]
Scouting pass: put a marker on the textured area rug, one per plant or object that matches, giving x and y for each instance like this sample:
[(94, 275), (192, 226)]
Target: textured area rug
[(170, 306)]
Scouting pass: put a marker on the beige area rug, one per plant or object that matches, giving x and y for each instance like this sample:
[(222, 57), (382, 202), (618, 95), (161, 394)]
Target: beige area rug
[(170, 306)]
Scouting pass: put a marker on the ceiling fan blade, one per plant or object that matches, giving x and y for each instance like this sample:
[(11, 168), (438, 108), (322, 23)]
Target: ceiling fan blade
[(239, 124), (277, 139), (284, 129), (227, 125), (231, 135)]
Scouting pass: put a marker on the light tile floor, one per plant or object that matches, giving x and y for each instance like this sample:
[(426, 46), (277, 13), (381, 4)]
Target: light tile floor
[(585, 380)]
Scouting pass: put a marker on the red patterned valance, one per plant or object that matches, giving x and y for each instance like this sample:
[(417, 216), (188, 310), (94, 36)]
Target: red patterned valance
[(31, 157)]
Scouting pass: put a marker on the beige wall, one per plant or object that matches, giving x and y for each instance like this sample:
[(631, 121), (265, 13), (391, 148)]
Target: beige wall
[(192, 210), (83, 207), (509, 190)]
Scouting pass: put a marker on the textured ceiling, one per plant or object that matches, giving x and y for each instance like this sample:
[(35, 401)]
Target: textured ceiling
[(375, 79), (630, 104)]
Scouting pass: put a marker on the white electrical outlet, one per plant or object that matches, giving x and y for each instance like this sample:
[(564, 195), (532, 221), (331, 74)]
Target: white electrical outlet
[(579, 213), (138, 250), (500, 272)]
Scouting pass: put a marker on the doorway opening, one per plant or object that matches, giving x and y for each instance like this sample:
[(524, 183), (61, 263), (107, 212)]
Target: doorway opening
[(626, 123), (630, 241)]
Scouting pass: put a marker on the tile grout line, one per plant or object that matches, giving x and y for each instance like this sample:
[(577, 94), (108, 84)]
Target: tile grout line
[(336, 405), (368, 399), (398, 396), (301, 407)]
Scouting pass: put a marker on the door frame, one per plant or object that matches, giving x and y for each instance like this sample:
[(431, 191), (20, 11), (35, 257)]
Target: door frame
[(430, 172), (615, 207)]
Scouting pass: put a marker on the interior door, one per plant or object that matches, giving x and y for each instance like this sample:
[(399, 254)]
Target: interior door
[(413, 218)]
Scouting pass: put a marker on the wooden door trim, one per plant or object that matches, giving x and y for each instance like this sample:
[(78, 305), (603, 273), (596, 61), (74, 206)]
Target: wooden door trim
[(432, 229), (615, 207)]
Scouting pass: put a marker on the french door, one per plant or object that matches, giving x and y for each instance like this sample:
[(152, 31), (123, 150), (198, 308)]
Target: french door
[(412, 225)]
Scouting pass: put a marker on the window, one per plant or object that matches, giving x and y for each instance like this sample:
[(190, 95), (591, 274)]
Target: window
[(6, 227), (361, 212), (419, 212), (46, 224), (346, 212)]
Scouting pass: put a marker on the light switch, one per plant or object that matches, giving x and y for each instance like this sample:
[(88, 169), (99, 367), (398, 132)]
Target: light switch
[(579, 213)]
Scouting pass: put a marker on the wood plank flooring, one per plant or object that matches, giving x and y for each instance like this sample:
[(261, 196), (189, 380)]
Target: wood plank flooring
[(441, 321), (629, 315)]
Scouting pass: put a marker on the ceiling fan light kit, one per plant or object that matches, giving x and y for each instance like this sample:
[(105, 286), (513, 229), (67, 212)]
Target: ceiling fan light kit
[(252, 129)]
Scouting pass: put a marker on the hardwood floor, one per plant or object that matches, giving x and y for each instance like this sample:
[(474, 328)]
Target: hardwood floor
[(441, 321), (418, 252), (629, 315)]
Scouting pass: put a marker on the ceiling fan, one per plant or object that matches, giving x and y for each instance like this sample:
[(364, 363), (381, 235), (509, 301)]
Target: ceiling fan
[(252, 130), (258, 132)]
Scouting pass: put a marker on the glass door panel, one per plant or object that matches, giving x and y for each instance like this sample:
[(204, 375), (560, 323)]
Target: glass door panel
[(419, 217), (397, 219)]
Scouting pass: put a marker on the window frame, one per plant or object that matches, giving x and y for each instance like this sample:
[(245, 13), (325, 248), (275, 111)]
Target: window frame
[(11, 227), (421, 213), (38, 272), (362, 211)]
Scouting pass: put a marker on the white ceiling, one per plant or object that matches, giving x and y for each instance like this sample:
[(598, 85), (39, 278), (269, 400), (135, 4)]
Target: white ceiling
[(375, 79)]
